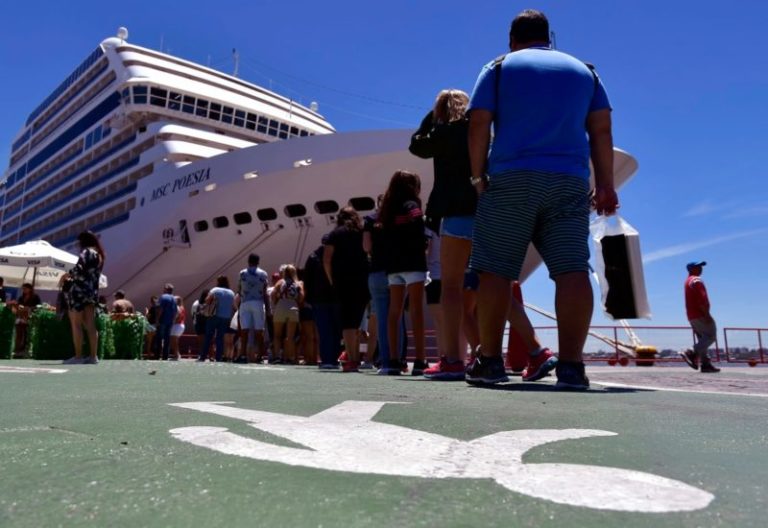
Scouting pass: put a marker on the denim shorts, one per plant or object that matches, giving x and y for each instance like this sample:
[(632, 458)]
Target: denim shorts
[(457, 227), (405, 278)]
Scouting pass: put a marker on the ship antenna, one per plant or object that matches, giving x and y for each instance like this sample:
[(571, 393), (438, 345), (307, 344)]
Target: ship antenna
[(553, 39), (236, 57)]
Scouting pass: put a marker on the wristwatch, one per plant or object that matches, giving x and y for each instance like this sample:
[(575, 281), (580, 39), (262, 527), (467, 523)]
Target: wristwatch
[(476, 180)]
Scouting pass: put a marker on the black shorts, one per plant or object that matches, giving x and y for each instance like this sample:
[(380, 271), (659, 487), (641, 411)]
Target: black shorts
[(200, 323), (351, 312), (433, 291), (305, 314)]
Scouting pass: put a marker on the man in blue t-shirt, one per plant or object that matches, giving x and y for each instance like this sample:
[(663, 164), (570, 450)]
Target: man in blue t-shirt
[(550, 115), (253, 298), (165, 318)]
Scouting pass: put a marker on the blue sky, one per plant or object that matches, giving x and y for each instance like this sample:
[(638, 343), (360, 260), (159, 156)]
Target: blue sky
[(689, 93)]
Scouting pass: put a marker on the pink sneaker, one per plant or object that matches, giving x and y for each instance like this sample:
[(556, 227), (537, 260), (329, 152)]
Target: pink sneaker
[(446, 370), (540, 365)]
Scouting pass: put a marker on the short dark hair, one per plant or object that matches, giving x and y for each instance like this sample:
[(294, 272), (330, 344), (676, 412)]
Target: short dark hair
[(222, 281), (253, 259), (168, 287), (27, 285), (120, 294), (529, 26)]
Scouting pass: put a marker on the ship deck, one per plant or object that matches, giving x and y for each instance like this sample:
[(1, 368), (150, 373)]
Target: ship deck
[(92, 446)]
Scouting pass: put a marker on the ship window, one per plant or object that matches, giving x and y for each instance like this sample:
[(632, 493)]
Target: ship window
[(174, 102), (140, 94), (220, 221), (273, 127), (363, 203), (304, 133), (242, 218), (215, 112), (202, 108), (158, 97), (252, 117), (189, 105), (265, 215), (97, 134), (294, 131), (250, 125), (326, 207), (226, 116), (263, 122), (240, 114), (294, 210), (201, 226), (88, 141), (284, 127)]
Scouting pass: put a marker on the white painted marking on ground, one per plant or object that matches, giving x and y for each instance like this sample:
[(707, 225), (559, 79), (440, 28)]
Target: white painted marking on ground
[(31, 370), (396, 450), (259, 367), (670, 389)]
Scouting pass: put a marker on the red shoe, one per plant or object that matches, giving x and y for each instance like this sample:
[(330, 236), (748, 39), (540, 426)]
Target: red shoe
[(446, 370), (350, 366), (540, 365), (343, 357)]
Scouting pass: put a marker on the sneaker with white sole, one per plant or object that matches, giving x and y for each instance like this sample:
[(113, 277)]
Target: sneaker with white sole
[(540, 365), (486, 371), (445, 370), (571, 376), (73, 361), (689, 356)]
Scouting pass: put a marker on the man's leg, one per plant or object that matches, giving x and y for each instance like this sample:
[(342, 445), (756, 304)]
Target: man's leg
[(493, 297), (573, 306)]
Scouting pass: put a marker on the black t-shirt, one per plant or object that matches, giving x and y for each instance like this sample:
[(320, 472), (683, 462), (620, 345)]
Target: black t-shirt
[(406, 242), (378, 243), (31, 301), (3, 294), (349, 264)]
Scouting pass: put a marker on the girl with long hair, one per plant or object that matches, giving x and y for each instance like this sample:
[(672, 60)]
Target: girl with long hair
[(83, 297), (346, 266), (402, 222)]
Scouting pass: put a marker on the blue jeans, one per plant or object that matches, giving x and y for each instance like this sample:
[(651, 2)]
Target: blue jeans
[(328, 322), (378, 285), (217, 326), (163, 335)]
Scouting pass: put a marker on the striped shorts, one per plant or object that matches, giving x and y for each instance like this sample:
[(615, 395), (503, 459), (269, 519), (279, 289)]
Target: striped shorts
[(522, 207)]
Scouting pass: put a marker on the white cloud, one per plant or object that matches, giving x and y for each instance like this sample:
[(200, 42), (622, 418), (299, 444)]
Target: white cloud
[(708, 207), (681, 249), (748, 212)]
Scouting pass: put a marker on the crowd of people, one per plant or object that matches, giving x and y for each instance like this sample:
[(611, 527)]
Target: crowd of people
[(511, 168)]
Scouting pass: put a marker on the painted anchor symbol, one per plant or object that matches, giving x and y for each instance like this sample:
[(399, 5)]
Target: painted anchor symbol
[(401, 451)]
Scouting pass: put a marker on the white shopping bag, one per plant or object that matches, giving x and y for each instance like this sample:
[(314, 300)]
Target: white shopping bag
[(619, 268)]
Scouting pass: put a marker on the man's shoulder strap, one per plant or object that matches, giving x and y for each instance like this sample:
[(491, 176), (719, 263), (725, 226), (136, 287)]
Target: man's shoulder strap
[(594, 74)]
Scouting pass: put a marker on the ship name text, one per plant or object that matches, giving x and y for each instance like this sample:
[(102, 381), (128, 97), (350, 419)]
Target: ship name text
[(193, 178)]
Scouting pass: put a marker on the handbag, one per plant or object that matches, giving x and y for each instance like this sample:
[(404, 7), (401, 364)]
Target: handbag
[(619, 268)]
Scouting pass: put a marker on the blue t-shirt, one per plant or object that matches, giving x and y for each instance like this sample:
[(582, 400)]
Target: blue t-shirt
[(252, 284), (168, 304), (225, 302), (543, 101)]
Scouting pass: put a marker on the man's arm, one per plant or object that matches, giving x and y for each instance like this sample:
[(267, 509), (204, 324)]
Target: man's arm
[(479, 141), (601, 151)]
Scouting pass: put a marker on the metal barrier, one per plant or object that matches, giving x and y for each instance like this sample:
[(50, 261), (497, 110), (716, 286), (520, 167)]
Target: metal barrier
[(740, 345)]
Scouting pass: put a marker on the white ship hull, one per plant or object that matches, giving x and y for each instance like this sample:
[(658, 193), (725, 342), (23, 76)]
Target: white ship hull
[(149, 248)]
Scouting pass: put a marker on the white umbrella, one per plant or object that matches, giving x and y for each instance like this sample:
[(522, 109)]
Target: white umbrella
[(38, 263)]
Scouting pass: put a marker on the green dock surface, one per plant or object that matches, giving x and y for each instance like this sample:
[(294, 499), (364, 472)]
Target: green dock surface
[(92, 446)]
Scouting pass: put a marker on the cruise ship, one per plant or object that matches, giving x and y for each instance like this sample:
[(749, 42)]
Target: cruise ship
[(183, 171)]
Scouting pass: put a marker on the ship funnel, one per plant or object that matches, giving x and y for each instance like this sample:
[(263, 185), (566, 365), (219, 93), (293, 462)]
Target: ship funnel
[(122, 33)]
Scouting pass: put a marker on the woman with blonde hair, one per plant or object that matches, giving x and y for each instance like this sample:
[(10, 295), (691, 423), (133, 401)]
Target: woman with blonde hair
[(286, 297), (442, 136)]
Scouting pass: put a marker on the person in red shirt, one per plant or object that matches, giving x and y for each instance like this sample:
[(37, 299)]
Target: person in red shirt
[(697, 310)]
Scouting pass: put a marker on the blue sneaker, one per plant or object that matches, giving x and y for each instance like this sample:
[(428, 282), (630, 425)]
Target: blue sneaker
[(90, 361), (486, 371), (571, 376), (73, 361)]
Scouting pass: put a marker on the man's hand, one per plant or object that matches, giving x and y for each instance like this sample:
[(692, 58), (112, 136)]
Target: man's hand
[(605, 201), (481, 185)]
